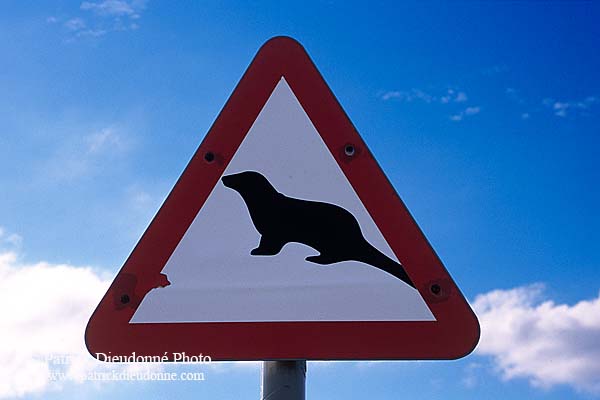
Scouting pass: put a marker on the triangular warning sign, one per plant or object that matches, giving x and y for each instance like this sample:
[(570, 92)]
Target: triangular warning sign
[(283, 239)]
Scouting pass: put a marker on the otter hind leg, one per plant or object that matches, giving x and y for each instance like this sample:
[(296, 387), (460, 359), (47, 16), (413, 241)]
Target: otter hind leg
[(323, 259), (268, 247)]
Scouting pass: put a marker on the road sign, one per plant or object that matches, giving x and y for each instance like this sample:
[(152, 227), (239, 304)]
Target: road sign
[(283, 239)]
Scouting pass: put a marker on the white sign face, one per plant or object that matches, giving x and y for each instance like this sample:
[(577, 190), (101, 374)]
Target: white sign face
[(213, 276)]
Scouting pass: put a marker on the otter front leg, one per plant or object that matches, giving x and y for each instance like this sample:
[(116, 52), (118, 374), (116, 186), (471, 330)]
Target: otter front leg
[(268, 247)]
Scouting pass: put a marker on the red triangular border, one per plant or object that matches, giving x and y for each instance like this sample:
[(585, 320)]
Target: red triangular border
[(454, 333)]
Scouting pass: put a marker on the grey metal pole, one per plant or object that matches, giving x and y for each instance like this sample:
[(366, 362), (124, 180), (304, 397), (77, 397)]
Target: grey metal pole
[(283, 380)]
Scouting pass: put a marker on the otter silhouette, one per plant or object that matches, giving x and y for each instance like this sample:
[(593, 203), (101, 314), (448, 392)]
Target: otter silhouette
[(330, 229)]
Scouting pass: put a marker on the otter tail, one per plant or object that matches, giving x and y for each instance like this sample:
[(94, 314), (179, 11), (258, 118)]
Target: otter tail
[(370, 255)]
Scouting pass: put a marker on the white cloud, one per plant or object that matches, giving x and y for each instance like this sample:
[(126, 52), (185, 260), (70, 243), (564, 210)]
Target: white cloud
[(460, 97), (495, 69), (92, 32), (421, 95), (409, 96), (472, 110), (514, 95), (564, 108), (80, 28), (84, 155), (534, 338), (11, 239), (467, 112), (142, 203), (453, 96), (392, 95), (141, 200), (45, 308), (470, 379), (560, 109), (14, 239), (115, 8), (75, 24), (102, 17), (448, 96), (107, 139)]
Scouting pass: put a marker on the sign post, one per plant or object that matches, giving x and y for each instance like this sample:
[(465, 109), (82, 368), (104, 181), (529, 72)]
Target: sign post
[(283, 380)]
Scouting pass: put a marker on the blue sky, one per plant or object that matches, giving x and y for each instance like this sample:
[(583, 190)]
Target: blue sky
[(484, 115)]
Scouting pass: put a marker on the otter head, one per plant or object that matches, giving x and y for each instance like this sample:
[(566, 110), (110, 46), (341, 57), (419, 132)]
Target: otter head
[(248, 183)]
